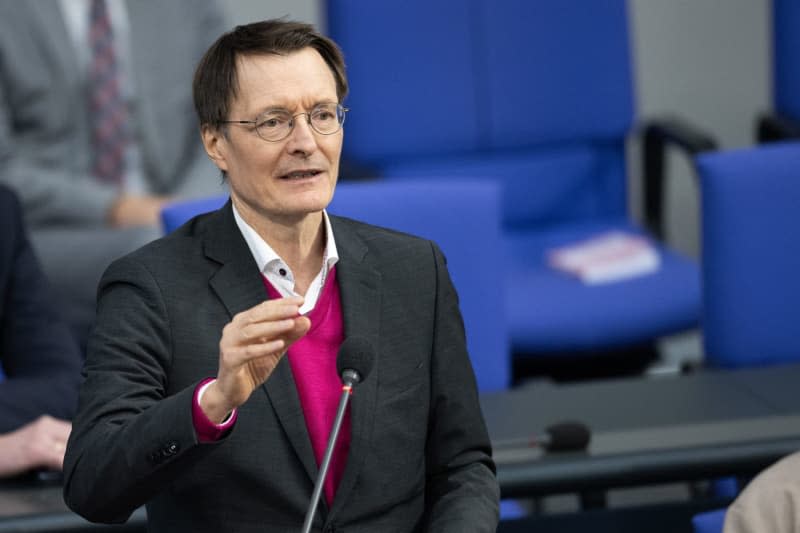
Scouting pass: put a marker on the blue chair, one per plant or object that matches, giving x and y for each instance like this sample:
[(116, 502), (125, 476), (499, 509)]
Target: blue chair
[(783, 122), (750, 203), (176, 213), (537, 97), (750, 255), (709, 522), (464, 220)]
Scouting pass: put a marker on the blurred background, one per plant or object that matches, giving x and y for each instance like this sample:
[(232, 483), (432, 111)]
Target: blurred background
[(708, 60)]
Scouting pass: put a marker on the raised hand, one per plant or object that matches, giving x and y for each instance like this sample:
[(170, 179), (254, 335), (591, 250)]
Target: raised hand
[(252, 344)]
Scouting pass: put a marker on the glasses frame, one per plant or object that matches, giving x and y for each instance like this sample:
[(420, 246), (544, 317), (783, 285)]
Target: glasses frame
[(340, 110)]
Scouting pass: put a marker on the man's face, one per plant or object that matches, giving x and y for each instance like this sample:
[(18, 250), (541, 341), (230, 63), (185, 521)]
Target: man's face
[(288, 179)]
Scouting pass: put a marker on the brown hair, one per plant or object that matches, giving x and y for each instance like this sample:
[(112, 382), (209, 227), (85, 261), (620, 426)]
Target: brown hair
[(215, 80)]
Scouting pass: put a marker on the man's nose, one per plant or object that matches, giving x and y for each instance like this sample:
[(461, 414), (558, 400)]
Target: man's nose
[(302, 136)]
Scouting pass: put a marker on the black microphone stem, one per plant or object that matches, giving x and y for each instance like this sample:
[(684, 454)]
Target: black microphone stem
[(347, 388)]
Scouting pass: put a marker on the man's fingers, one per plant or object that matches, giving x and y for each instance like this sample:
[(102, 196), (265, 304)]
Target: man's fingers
[(270, 310), (301, 326), (262, 330), (243, 354)]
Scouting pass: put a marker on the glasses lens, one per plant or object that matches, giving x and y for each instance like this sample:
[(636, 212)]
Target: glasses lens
[(327, 118), (274, 125)]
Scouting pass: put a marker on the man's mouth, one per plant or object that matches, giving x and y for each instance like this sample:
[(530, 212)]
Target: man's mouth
[(301, 174)]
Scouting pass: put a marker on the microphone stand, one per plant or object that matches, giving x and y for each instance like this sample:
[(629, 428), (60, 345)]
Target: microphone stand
[(349, 378)]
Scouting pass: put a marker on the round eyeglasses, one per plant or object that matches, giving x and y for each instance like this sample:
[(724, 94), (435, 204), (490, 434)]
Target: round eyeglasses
[(276, 124)]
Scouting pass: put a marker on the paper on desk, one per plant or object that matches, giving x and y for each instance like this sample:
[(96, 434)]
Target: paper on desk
[(609, 257)]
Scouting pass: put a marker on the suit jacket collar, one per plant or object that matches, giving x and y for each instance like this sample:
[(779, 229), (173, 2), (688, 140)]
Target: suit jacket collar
[(56, 39), (238, 284)]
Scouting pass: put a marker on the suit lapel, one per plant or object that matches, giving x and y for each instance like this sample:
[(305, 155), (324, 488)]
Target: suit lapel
[(238, 284), (59, 47), (359, 286)]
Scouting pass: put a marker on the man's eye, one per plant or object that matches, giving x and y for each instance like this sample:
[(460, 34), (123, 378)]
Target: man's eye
[(324, 115), (271, 122)]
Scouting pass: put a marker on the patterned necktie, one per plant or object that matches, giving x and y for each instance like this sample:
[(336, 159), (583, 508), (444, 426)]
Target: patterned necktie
[(108, 112)]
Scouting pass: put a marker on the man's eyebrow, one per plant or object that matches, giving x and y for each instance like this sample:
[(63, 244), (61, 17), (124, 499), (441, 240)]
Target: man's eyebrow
[(323, 101)]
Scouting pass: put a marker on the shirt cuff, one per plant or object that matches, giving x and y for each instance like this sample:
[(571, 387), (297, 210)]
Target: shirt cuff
[(208, 431)]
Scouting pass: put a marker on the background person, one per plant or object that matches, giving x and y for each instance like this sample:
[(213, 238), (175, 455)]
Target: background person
[(40, 360), (770, 502), (97, 130)]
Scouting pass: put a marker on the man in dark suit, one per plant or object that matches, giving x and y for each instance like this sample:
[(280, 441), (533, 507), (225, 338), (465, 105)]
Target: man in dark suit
[(211, 376), (40, 361)]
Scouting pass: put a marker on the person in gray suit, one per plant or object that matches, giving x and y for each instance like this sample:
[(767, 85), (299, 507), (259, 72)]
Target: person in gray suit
[(211, 374), (81, 217)]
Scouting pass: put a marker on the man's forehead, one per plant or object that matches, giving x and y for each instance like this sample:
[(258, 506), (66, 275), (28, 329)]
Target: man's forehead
[(275, 78)]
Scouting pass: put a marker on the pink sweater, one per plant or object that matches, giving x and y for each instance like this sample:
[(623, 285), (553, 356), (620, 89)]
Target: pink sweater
[(313, 362)]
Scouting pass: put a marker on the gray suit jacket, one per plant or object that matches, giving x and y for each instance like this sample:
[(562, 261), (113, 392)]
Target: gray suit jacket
[(419, 457), (44, 128)]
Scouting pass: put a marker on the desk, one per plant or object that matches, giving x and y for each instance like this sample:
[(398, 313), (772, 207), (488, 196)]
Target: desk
[(655, 430), (644, 431), (29, 506)]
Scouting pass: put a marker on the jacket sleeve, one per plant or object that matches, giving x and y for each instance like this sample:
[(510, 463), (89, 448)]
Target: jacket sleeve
[(130, 437), (462, 493), (40, 357)]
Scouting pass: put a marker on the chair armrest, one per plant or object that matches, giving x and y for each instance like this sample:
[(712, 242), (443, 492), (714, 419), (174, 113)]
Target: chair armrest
[(775, 127), (658, 134)]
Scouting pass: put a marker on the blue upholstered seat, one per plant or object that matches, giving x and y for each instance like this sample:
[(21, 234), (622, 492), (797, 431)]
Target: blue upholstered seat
[(751, 255), (176, 213), (464, 220), (783, 120), (534, 96)]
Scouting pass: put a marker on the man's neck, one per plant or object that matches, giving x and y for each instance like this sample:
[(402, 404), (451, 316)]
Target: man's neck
[(298, 240)]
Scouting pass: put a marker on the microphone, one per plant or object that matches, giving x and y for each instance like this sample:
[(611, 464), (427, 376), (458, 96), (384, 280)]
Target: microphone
[(353, 363), (567, 436)]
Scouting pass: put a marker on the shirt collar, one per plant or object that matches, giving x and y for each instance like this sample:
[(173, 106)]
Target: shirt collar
[(265, 256)]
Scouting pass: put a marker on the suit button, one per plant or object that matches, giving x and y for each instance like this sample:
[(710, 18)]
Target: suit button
[(172, 448)]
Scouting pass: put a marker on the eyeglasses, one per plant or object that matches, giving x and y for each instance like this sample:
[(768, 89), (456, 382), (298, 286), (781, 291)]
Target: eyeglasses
[(276, 124)]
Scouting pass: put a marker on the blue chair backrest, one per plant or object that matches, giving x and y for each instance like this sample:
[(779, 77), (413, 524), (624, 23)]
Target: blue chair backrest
[(463, 218), (534, 94), (175, 214), (751, 255), (786, 56)]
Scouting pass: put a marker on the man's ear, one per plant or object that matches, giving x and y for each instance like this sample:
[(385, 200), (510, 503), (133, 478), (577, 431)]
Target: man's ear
[(214, 142)]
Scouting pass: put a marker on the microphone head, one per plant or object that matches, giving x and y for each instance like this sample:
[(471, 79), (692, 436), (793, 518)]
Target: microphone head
[(355, 354), (568, 436)]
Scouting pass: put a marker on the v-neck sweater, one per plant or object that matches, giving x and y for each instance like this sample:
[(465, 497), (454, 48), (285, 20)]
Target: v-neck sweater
[(313, 362)]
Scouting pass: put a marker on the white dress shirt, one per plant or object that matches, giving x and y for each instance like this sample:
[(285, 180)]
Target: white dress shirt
[(278, 272)]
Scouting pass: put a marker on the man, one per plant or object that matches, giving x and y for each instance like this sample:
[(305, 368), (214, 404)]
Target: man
[(258, 296), (96, 128), (40, 361)]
